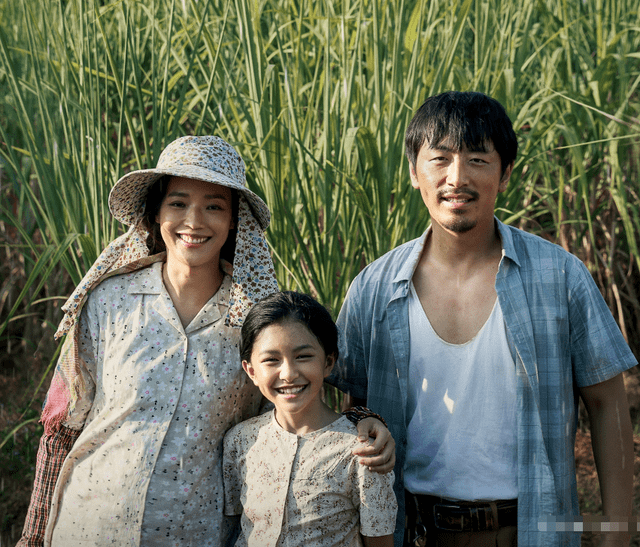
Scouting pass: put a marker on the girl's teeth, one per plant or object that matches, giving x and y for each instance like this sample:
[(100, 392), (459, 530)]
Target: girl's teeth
[(291, 390)]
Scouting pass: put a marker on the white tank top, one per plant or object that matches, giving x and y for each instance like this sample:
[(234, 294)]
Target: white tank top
[(461, 407)]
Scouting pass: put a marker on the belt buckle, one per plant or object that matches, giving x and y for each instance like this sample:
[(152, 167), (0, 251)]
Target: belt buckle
[(440, 520), (479, 518)]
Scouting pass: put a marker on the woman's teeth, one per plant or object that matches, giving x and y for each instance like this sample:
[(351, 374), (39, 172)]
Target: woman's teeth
[(191, 239)]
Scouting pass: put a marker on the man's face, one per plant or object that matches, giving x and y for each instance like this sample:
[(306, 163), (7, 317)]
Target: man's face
[(459, 187)]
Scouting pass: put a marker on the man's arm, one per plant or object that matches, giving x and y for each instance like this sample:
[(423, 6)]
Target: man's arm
[(380, 454), (612, 442)]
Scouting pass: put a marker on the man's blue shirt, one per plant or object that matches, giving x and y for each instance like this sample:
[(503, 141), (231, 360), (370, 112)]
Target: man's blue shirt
[(562, 337)]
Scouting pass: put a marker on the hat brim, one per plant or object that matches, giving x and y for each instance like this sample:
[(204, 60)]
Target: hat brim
[(129, 194)]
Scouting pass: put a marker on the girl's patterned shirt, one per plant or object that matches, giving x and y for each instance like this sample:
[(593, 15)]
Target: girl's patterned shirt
[(303, 490), (146, 469)]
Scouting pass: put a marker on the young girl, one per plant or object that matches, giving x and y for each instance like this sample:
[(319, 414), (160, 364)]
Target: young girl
[(290, 472)]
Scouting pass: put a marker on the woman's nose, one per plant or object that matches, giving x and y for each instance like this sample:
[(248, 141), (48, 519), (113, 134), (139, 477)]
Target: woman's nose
[(193, 217)]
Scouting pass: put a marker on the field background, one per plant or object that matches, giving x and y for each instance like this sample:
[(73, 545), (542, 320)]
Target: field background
[(316, 96)]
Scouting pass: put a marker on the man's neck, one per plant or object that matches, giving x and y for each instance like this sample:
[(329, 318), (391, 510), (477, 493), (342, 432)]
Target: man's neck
[(463, 250), (455, 281)]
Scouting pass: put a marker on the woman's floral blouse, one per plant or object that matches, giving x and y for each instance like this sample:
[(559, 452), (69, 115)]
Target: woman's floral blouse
[(146, 469)]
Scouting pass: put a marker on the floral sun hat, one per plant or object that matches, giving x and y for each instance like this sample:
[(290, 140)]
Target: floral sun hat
[(206, 158)]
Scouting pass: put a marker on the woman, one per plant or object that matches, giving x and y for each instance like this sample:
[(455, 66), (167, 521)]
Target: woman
[(150, 379)]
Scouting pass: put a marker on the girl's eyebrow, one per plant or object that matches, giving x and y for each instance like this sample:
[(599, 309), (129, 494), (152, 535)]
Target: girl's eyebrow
[(179, 194), (297, 348)]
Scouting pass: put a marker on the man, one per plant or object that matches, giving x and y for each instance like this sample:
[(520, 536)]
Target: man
[(474, 342)]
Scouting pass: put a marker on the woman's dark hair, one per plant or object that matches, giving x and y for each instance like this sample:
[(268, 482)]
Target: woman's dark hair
[(289, 306), (461, 118), (155, 196)]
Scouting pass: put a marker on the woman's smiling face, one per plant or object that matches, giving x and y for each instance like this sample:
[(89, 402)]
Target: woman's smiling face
[(195, 218)]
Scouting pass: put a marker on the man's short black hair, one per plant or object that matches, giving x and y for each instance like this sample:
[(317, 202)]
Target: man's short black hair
[(461, 118)]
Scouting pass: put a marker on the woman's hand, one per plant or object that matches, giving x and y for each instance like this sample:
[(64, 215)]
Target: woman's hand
[(378, 449)]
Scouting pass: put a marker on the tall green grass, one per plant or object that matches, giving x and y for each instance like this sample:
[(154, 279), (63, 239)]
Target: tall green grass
[(316, 96)]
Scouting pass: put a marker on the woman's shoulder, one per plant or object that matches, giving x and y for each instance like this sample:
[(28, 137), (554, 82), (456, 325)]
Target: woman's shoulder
[(144, 280)]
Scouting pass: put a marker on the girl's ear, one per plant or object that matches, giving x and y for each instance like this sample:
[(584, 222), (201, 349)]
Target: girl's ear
[(331, 360), (246, 365)]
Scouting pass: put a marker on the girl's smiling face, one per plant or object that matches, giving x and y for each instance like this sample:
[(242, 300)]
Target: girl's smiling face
[(195, 218), (289, 365)]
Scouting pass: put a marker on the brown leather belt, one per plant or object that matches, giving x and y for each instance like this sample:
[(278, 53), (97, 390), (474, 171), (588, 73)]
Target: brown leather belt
[(462, 516)]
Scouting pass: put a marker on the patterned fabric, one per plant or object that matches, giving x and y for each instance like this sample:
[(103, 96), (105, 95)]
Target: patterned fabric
[(303, 490), (562, 334), (253, 279), (120, 256), (146, 469), (51, 454), (207, 158), (253, 275)]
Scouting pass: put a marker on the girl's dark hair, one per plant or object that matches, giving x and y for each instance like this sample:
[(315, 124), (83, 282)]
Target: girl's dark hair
[(289, 306), (463, 118), (156, 193)]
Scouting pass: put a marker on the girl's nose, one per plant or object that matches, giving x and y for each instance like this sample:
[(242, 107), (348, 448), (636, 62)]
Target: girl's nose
[(288, 370)]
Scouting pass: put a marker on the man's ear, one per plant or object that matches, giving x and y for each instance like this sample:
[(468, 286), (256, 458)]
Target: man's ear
[(246, 365), (504, 180), (413, 176)]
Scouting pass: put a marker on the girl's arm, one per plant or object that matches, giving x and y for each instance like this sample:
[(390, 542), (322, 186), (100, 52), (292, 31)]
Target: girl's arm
[(381, 541)]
